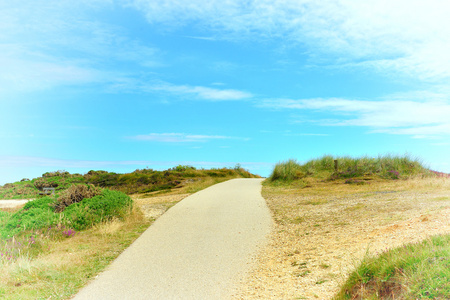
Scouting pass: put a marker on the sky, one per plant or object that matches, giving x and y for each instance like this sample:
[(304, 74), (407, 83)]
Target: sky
[(132, 84)]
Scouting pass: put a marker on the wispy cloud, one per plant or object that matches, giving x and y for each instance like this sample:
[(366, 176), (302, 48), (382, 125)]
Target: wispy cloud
[(181, 137), (199, 92), (47, 44), (306, 134), (416, 118), (407, 36)]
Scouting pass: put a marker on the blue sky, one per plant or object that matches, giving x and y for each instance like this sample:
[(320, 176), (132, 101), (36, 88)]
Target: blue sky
[(121, 85)]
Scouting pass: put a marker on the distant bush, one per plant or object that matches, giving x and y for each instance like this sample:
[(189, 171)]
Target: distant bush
[(75, 194), (59, 173), (41, 183), (182, 168)]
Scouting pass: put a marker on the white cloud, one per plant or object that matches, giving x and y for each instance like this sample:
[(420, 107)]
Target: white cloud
[(407, 36), (180, 137), (46, 44), (416, 118), (200, 92)]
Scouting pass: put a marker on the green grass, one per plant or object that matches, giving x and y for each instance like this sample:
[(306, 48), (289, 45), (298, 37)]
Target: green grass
[(56, 266), (386, 167), (40, 214), (414, 271)]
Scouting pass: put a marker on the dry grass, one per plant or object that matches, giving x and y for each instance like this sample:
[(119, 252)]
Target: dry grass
[(322, 232), (67, 265)]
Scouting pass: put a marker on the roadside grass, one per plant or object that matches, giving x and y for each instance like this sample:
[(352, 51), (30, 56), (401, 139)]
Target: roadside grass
[(57, 265), (414, 271)]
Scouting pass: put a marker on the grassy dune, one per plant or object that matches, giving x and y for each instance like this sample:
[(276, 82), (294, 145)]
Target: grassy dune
[(413, 271)]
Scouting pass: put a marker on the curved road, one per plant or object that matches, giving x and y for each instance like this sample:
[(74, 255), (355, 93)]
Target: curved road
[(199, 249)]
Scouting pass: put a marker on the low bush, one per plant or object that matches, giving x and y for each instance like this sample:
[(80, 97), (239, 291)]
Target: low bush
[(88, 212), (34, 215), (75, 194), (41, 183), (40, 213)]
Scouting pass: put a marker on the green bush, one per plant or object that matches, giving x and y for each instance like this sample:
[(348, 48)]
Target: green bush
[(182, 168), (35, 214), (39, 214), (74, 194), (88, 212)]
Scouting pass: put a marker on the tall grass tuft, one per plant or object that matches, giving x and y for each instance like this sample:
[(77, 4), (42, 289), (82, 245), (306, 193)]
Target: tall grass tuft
[(287, 171), (414, 271)]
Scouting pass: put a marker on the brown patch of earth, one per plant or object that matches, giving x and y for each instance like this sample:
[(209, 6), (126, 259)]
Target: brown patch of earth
[(156, 206)]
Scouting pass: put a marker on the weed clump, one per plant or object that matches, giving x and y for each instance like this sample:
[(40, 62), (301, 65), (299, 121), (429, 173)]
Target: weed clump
[(75, 194)]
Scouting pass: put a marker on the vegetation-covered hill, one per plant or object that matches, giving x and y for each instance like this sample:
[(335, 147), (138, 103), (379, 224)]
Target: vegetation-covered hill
[(376, 209), (139, 181), (350, 170)]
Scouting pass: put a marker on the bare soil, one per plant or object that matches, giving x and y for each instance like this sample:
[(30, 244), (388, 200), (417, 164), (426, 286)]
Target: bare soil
[(5, 204), (321, 233), (155, 206)]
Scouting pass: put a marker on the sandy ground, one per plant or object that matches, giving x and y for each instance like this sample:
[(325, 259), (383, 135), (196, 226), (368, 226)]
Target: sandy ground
[(12, 203), (320, 237)]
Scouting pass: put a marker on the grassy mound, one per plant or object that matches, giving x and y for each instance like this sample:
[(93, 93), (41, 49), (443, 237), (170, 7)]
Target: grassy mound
[(40, 214), (414, 271), (387, 167)]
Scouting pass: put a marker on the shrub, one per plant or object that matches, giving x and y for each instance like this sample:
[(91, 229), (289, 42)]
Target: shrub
[(182, 168), (39, 214), (59, 173), (88, 212), (34, 215), (75, 194), (41, 183)]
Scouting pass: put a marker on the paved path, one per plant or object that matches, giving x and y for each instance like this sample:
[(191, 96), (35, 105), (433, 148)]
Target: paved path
[(12, 203), (199, 249)]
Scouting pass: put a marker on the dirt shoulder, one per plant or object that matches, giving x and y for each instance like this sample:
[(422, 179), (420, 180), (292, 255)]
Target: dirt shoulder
[(322, 232)]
